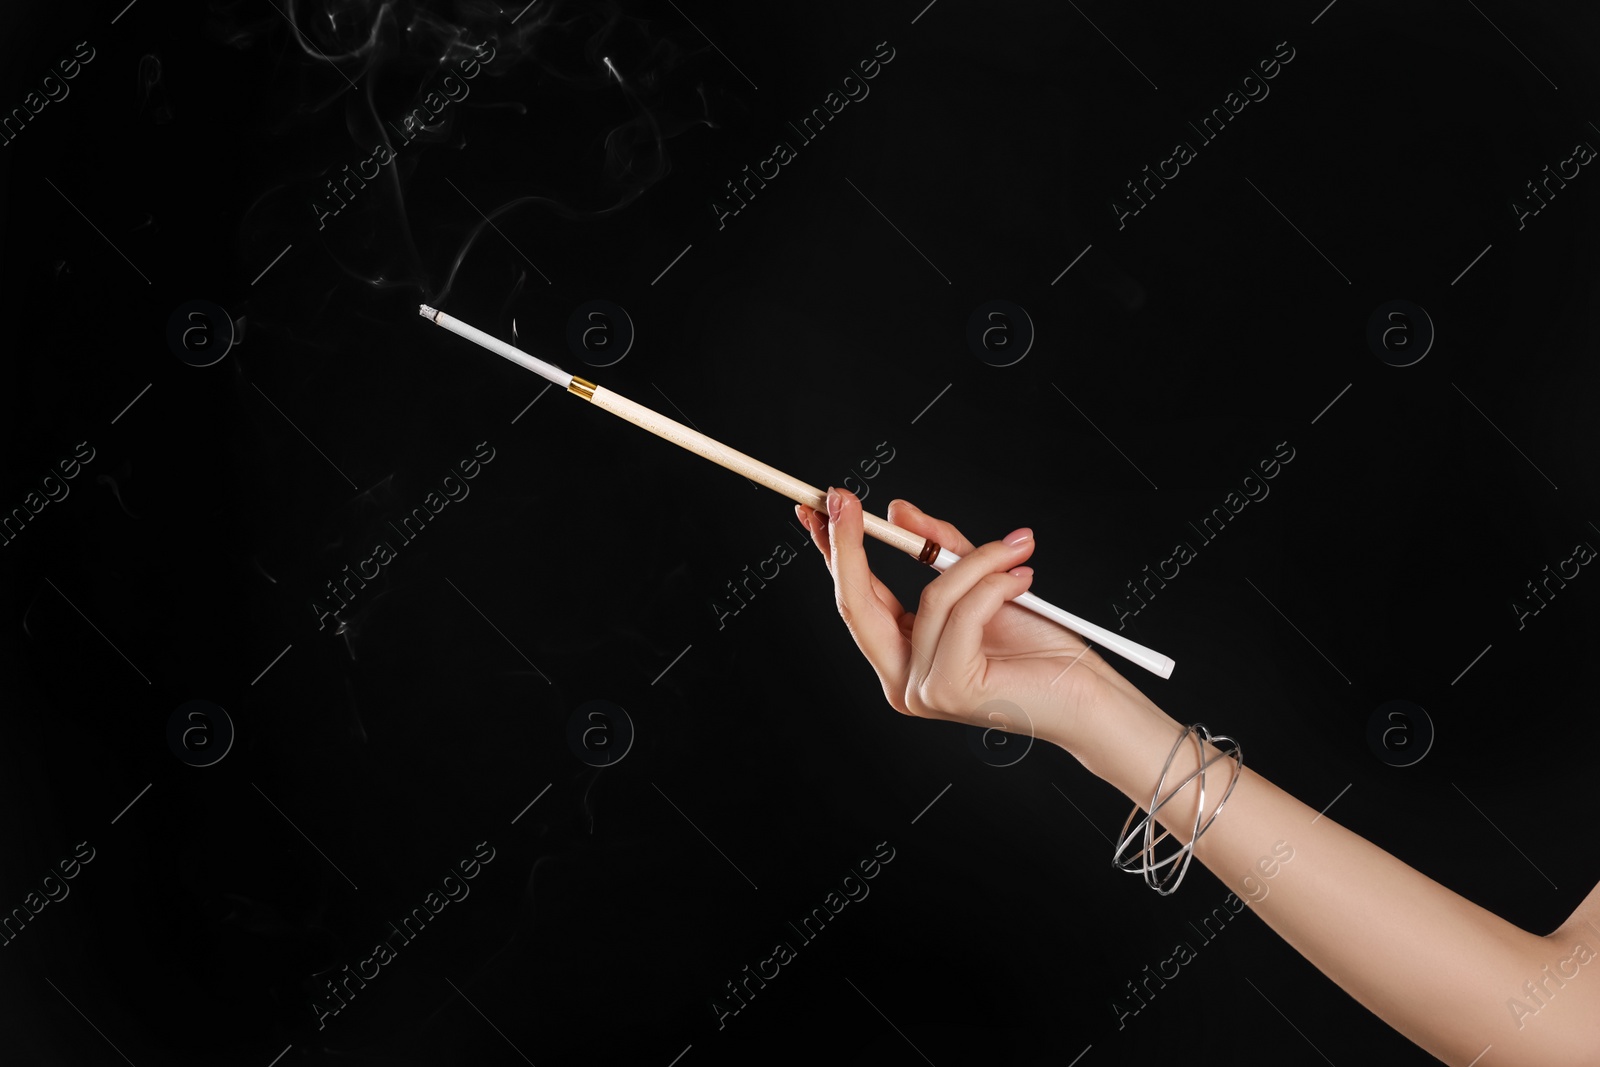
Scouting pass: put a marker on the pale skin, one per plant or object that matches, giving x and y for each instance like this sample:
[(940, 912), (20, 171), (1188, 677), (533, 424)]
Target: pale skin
[(1430, 963)]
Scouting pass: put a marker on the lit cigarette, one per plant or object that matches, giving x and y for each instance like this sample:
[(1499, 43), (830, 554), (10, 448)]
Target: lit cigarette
[(925, 550)]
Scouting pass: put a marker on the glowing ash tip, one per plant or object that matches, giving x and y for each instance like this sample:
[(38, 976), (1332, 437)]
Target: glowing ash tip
[(427, 312)]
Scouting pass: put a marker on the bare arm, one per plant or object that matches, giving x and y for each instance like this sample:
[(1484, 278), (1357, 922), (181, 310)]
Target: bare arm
[(1430, 963), (1439, 969)]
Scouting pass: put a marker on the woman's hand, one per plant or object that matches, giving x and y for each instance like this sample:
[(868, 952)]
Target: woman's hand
[(966, 654)]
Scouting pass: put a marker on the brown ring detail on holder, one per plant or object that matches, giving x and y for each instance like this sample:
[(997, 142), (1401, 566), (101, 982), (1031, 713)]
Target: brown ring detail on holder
[(930, 549)]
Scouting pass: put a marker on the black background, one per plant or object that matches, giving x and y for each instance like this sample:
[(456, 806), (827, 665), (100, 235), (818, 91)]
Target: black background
[(586, 563)]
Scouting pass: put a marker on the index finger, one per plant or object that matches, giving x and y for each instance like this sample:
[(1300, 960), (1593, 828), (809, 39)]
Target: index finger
[(868, 609), (908, 516)]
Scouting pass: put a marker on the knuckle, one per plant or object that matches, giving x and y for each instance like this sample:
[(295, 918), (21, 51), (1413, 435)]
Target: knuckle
[(997, 580), (927, 699), (994, 552), (964, 610), (968, 607)]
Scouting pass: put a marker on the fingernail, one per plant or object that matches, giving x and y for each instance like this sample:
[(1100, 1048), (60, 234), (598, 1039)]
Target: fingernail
[(800, 516), (1020, 572), (908, 505), (1017, 537), (835, 503)]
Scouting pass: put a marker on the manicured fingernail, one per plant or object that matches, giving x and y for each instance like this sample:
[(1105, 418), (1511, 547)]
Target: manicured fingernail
[(1020, 572), (1017, 537), (800, 515), (835, 504), (908, 505)]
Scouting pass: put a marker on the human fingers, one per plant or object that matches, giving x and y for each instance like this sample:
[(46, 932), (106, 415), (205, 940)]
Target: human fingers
[(816, 524), (908, 516), (936, 687), (876, 629), (959, 651), (901, 513)]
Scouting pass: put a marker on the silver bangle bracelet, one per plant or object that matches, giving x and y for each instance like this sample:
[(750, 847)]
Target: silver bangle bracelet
[(1144, 861)]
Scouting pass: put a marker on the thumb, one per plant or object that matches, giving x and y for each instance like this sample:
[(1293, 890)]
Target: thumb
[(907, 516)]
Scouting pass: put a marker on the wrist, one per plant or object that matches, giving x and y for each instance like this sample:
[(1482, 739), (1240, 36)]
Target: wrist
[(1124, 742)]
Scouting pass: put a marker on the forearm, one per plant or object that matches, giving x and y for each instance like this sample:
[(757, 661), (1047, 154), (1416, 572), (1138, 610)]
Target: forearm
[(1430, 963)]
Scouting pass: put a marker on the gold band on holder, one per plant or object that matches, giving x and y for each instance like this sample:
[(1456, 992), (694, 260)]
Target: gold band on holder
[(930, 550), (582, 387)]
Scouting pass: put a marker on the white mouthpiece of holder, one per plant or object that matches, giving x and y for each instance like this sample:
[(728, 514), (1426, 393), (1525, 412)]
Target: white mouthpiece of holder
[(1148, 658)]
